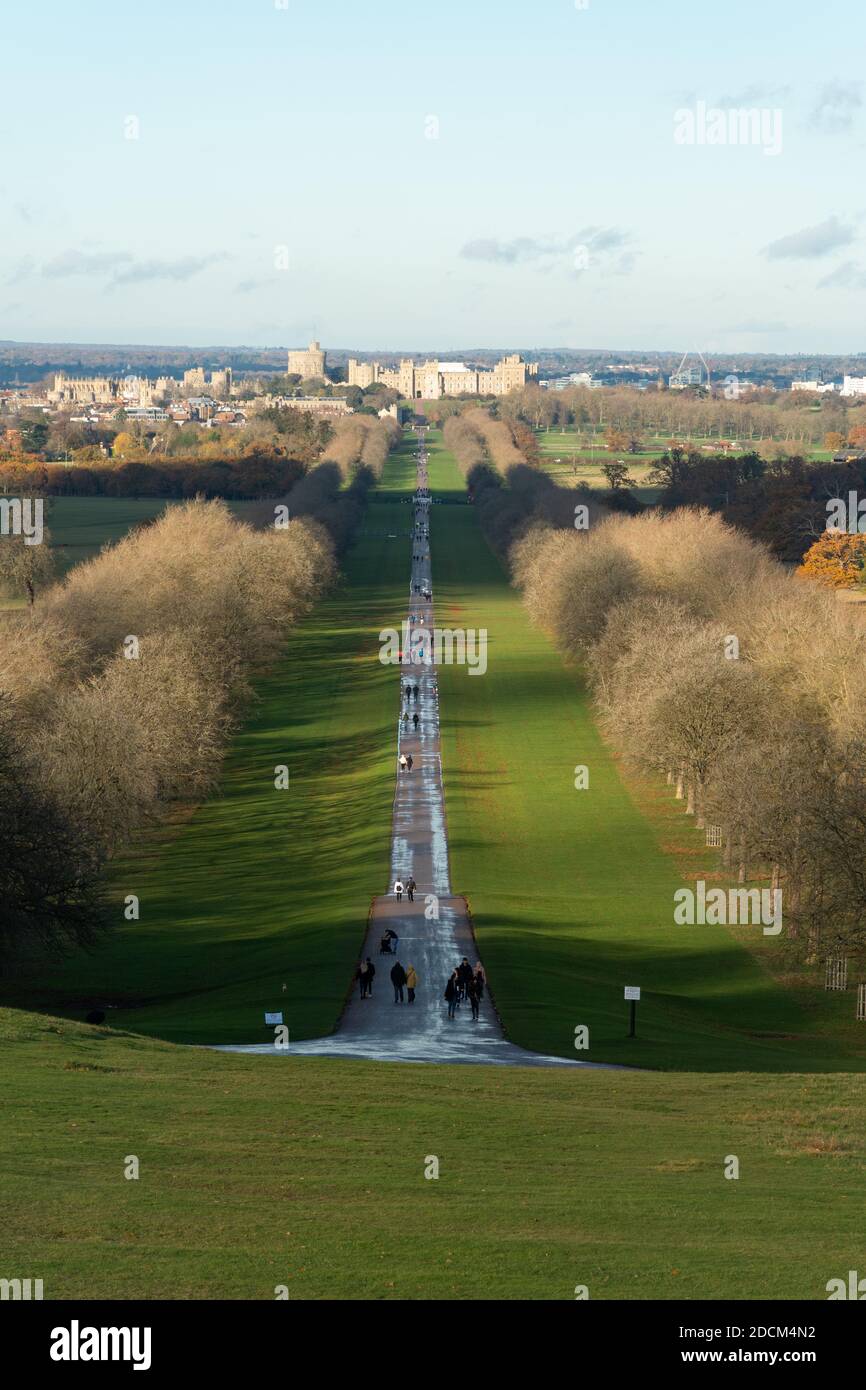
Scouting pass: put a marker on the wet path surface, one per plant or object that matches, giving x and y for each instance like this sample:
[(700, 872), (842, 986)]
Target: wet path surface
[(434, 932)]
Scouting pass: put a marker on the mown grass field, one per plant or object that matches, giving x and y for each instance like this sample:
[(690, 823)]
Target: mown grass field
[(568, 460), (80, 526), (258, 1171), (572, 891), (567, 456), (261, 888)]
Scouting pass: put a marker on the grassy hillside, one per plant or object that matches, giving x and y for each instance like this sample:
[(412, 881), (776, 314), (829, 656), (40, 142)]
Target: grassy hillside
[(258, 1171), (572, 891)]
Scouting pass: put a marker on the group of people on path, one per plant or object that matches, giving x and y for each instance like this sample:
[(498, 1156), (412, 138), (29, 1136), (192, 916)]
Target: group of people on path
[(465, 983), (410, 692), (400, 978), (408, 888)]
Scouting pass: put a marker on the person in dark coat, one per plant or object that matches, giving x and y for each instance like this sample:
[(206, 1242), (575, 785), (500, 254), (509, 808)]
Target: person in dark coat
[(415, 721), (464, 974), (479, 981), (411, 885), (472, 995), (451, 994), (398, 980)]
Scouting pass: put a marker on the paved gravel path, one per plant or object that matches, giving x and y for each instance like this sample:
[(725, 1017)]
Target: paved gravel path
[(434, 932)]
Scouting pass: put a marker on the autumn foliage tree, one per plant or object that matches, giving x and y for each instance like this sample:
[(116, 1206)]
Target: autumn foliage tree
[(836, 560)]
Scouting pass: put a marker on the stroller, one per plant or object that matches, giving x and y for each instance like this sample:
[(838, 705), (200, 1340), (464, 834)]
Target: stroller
[(388, 944)]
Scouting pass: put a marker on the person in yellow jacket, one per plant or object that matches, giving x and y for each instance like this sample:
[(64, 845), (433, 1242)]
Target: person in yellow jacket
[(411, 982)]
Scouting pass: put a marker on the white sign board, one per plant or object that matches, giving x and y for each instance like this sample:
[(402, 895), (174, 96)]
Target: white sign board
[(632, 991), (273, 1019)]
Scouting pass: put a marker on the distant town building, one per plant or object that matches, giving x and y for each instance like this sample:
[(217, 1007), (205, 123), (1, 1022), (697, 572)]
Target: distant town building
[(201, 407), (226, 416), (307, 363), (221, 383), (150, 414), (83, 390), (196, 380), (689, 376), (433, 379), (854, 386), (311, 405), (820, 388), (193, 380), (562, 383)]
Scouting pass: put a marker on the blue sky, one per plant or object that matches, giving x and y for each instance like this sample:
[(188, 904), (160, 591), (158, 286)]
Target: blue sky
[(439, 175)]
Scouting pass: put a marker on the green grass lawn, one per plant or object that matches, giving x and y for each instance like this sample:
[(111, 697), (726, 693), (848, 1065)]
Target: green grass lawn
[(260, 888), (81, 526), (565, 455), (572, 891), (260, 1171)]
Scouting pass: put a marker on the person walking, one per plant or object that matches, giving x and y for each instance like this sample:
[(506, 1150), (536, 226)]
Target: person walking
[(472, 993), (451, 994), (479, 980), (415, 721), (464, 974), (363, 978), (411, 983), (398, 889), (415, 690), (411, 885), (403, 762), (398, 980), (371, 971), (409, 761)]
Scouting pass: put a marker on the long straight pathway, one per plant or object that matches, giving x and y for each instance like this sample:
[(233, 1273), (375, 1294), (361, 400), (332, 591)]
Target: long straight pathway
[(434, 931)]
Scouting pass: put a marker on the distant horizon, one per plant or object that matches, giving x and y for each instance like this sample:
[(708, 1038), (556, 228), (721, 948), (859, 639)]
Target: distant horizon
[(155, 346)]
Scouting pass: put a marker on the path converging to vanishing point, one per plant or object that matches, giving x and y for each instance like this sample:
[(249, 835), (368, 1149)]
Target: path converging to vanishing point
[(434, 932)]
